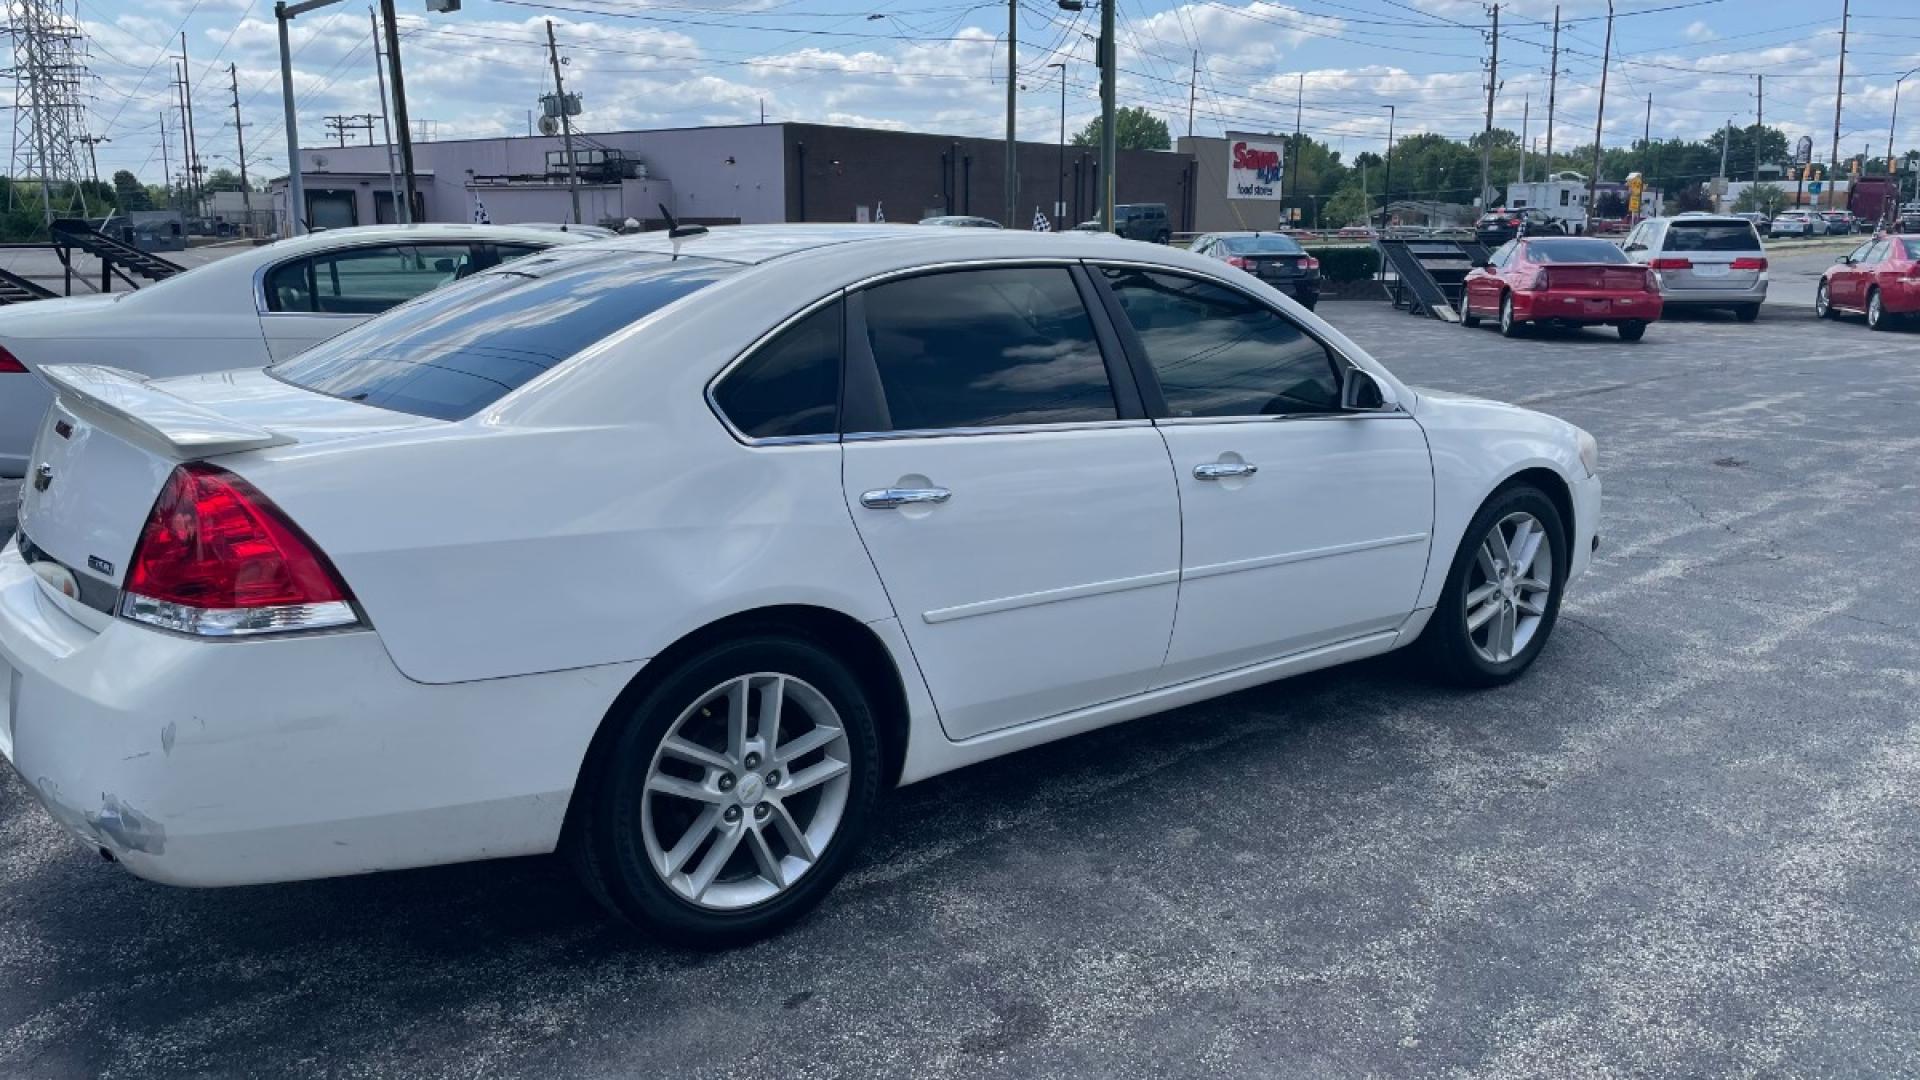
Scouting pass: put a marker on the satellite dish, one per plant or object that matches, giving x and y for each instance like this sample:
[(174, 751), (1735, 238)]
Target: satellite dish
[(319, 161), (549, 125)]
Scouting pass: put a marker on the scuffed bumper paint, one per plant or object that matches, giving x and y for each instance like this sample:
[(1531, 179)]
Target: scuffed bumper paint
[(225, 763)]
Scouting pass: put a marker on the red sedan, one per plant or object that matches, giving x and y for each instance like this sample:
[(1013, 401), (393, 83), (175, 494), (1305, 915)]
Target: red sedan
[(1563, 281), (1879, 279)]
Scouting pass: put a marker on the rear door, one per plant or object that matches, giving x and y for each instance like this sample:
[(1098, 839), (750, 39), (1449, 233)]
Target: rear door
[(1302, 525), (1018, 506), (308, 300)]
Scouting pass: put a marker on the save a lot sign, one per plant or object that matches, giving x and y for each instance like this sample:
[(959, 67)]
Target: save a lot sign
[(1254, 167)]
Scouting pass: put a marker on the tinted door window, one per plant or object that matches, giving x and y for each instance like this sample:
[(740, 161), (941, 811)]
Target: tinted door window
[(365, 281), (465, 347), (1219, 352), (1876, 253), (984, 348), (790, 385)]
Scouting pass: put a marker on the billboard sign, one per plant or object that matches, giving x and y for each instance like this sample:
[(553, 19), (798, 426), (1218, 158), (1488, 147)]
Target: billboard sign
[(1803, 150), (1255, 165)]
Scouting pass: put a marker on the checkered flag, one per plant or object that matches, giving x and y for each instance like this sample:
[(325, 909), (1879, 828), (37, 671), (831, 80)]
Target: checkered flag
[(480, 212), (1040, 222), (879, 214)]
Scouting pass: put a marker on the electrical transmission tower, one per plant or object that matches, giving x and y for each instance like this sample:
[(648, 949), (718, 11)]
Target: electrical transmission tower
[(49, 115)]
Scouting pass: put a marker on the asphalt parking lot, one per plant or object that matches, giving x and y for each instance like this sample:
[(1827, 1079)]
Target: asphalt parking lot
[(1682, 845)]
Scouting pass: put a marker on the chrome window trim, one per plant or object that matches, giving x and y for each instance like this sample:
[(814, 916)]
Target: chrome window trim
[(989, 262), (713, 403), (1394, 413), (260, 272), (1006, 429)]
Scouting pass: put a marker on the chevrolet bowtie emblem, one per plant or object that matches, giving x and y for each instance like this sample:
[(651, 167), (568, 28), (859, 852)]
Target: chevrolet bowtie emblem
[(42, 477)]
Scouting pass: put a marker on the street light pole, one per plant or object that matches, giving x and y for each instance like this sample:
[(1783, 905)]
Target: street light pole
[(1109, 138), (1060, 170), (1012, 179), (1892, 125)]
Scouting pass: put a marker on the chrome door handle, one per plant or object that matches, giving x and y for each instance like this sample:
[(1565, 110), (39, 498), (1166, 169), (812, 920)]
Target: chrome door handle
[(1223, 470), (889, 498)]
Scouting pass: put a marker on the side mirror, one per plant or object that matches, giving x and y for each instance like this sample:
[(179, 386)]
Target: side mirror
[(1635, 247), (1848, 259), (1361, 392)]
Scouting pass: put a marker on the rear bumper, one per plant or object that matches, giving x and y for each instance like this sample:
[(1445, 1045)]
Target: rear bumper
[(1575, 307), (225, 763), (1900, 297), (1730, 297)]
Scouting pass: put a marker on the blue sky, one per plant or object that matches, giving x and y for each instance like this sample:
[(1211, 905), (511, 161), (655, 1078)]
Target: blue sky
[(940, 65)]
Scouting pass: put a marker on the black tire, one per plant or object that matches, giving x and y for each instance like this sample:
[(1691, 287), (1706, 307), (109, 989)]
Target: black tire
[(1877, 317), (1467, 318), (1632, 331), (1823, 303), (1163, 238), (605, 838), (1446, 642), (1509, 326), (1747, 312), (1308, 301)]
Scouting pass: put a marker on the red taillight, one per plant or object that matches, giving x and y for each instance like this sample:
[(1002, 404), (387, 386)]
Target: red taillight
[(10, 364), (1647, 283), (1309, 263), (1540, 281), (1515, 222), (1671, 264), (1235, 260), (1749, 264), (217, 558)]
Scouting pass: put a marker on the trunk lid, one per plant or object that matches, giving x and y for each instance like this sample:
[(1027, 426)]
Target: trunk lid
[(112, 438), (1276, 267), (1597, 278)]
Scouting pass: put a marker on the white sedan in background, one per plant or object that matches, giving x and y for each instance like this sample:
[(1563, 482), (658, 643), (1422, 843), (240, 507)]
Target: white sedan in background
[(246, 310), (677, 553)]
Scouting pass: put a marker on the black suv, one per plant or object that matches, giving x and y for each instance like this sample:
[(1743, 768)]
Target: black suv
[(1138, 221), (1497, 226)]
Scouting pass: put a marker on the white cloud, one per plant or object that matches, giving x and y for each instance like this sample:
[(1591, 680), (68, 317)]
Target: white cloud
[(1700, 31)]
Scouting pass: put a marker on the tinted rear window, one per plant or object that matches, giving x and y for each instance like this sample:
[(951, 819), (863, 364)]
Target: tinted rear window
[(1263, 245), (1711, 236), (1575, 251), (455, 351), (1913, 248)]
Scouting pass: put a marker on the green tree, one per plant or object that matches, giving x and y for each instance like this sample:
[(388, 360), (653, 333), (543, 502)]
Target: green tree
[(1134, 129), (1766, 198), (1349, 206), (133, 194), (1692, 197), (223, 179)]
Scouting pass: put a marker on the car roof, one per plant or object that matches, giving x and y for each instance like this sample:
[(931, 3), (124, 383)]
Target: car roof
[(426, 231), (753, 244)]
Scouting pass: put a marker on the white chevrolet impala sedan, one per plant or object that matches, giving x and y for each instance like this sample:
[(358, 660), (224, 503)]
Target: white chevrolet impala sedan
[(676, 554)]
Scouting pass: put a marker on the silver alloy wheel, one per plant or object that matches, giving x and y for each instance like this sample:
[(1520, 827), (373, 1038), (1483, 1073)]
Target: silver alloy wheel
[(1874, 312), (1822, 303), (1506, 314), (1509, 587), (746, 791)]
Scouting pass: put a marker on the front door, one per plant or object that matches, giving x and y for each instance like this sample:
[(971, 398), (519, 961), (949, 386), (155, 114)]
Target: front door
[(1302, 525), (1020, 514)]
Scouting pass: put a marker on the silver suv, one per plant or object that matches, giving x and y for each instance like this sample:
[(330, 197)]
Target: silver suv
[(1703, 260)]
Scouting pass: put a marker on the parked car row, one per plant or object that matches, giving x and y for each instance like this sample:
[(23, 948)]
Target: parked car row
[(1815, 223), (677, 552)]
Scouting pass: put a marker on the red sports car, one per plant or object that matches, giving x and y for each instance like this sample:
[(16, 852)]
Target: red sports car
[(1880, 279), (1563, 281)]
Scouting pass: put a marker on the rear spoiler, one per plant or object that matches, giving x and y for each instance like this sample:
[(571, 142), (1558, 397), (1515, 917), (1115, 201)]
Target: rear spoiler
[(138, 411)]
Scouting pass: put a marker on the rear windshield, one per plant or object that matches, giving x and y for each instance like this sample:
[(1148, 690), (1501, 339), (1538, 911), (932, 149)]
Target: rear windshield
[(1263, 245), (459, 349), (1712, 236), (1575, 251), (1912, 246)]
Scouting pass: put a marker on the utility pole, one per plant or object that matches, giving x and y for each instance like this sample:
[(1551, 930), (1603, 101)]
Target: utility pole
[(1299, 103), (166, 164), (1759, 120), (93, 164), (1553, 85), (195, 171), (1060, 164), (566, 123), (1109, 138), (1526, 110), (337, 125), (1646, 165), (400, 108), (1386, 186), (1193, 91), (1012, 179), (186, 145), (240, 144), (296, 194), (1726, 140), (1600, 115), (1486, 136), (1840, 88), (386, 129)]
